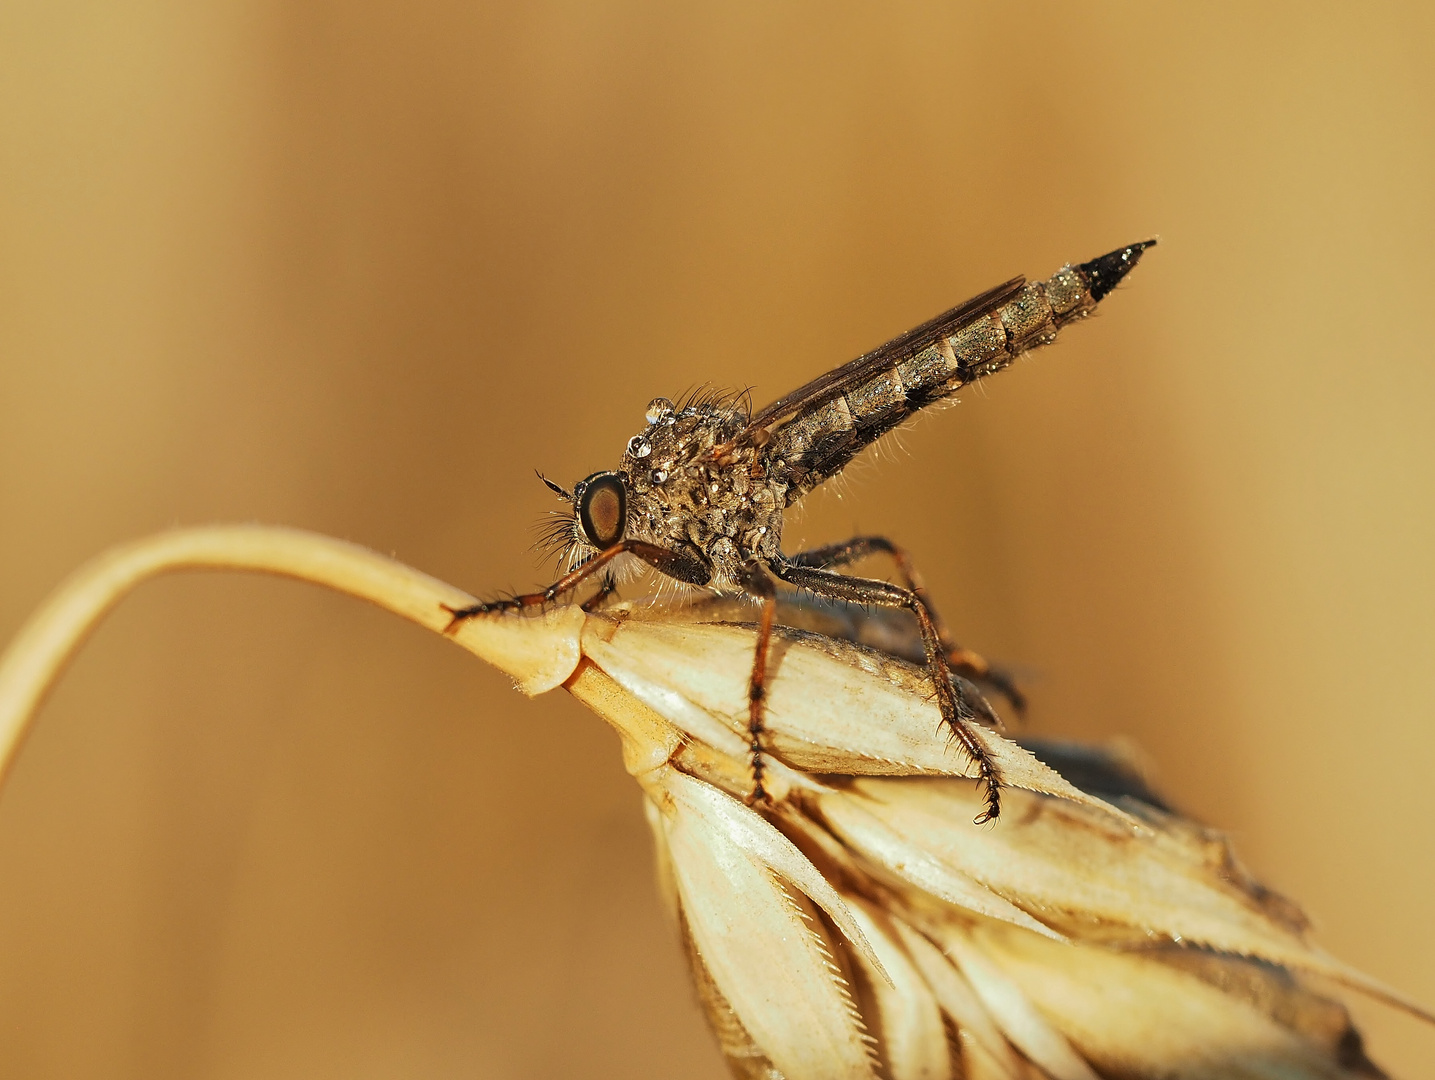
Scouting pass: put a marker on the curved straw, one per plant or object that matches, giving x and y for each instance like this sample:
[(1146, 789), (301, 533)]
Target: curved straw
[(539, 653)]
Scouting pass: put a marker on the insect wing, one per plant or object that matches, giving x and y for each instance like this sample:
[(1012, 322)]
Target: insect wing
[(854, 373)]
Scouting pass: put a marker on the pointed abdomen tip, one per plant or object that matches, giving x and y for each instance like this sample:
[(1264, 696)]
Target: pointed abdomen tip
[(1105, 271)]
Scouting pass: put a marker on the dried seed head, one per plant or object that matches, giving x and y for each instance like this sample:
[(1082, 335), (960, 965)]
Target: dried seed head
[(862, 926), (859, 925)]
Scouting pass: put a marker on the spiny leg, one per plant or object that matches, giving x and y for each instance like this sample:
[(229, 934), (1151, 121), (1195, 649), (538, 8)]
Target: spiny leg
[(961, 660), (955, 714), (671, 563), (606, 588), (758, 582)]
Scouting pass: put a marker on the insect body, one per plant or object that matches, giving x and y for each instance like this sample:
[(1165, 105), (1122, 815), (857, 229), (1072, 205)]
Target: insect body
[(701, 491)]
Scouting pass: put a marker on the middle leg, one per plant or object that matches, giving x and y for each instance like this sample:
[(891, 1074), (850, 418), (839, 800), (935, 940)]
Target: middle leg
[(758, 582)]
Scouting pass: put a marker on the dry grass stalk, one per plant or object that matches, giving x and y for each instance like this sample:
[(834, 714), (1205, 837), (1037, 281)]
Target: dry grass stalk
[(860, 926)]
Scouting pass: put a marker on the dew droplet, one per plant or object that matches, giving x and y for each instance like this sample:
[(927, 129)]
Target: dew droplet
[(660, 408), (638, 447)]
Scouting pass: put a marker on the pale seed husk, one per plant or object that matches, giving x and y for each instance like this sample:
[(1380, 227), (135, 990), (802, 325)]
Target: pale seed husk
[(1076, 936)]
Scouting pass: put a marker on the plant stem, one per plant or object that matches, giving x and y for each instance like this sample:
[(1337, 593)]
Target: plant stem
[(528, 649)]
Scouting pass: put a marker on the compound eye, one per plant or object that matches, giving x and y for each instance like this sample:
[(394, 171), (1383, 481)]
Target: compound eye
[(603, 509)]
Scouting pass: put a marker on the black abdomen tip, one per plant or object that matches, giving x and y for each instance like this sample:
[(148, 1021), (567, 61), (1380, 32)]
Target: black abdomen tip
[(1103, 272)]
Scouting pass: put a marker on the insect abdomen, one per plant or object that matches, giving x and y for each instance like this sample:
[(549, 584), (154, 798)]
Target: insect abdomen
[(817, 444)]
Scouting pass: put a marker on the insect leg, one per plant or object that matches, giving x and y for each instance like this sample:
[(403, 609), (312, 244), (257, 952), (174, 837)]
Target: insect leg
[(962, 660), (955, 713), (674, 564), (606, 588), (758, 582)]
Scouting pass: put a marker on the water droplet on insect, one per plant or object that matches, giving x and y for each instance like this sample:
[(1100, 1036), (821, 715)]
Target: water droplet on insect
[(660, 408), (659, 475), (638, 447)]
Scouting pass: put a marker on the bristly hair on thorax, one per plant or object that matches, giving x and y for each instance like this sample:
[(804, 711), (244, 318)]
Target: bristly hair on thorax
[(669, 476)]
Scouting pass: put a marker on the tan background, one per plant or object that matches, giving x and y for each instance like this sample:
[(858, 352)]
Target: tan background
[(362, 267)]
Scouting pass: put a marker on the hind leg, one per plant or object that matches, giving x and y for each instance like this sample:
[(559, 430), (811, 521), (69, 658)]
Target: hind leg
[(962, 661)]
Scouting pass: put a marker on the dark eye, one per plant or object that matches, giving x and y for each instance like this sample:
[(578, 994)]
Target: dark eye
[(602, 509)]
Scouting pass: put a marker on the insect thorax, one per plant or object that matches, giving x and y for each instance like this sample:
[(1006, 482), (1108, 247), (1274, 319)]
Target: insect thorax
[(680, 494)]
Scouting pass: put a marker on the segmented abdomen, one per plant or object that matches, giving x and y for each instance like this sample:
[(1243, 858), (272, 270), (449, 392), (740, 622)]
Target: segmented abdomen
[(816, 443)]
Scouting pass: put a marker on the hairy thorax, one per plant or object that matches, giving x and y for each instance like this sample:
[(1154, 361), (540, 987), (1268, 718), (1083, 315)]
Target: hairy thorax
[(726, 506)]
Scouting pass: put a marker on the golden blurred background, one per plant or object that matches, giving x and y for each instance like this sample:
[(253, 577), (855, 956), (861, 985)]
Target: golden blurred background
[(362, 267)]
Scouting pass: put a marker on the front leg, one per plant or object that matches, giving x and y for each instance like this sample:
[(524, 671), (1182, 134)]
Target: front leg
[(961, 660), (606, 588), (683, 565), (955, 715)]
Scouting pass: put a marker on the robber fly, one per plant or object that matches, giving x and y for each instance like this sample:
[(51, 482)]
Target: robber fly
[(701, 491)]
